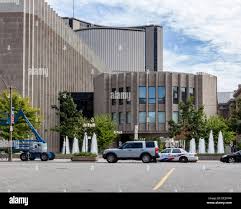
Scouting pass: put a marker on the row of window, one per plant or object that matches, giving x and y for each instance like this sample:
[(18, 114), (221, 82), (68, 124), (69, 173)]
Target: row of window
[(150, 117), (152, 94), (162, 94)]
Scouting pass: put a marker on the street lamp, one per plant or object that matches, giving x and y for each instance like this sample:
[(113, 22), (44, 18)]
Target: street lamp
[(11, 120)]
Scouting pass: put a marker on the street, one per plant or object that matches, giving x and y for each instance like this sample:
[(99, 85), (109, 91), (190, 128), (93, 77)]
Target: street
[(124, 176)]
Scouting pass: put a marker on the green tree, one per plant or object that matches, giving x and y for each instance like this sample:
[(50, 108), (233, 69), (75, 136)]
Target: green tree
[(71, 120), (217, 123), (235, 117), (21, 129), (105, 130), (191, 122)]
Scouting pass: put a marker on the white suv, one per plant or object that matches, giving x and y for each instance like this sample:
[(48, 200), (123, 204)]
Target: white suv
[(146, 151)]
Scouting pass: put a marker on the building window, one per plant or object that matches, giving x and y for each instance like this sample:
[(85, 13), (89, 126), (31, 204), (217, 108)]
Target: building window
[(152, 94), (113, 101), (175, 116), (142, 117), (142, 95), (121, 99), (121, 118), (161, 94), (192, 94), (184, 94), (128, 117), (175, 94), (161, 117), (151, 117), (128, 91), (114, 117)]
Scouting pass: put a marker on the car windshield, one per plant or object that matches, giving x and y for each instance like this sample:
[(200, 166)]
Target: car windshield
[(120, 147)]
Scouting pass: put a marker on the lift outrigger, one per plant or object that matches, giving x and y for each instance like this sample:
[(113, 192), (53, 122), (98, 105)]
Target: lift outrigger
[(30, 149)]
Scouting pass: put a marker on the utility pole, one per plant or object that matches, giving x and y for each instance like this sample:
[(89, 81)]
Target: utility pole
[(11, 126)]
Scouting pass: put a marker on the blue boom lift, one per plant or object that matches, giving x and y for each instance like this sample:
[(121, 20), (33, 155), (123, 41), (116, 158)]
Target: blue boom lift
[(31, 149)]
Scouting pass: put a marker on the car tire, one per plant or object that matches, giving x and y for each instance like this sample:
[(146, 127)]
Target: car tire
[(24, 157), (44, 156), (183, 159), (231, 160), (146, 158), (111, 158)]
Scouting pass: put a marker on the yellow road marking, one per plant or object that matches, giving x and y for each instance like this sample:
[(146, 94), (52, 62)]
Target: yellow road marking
[(163, 180)]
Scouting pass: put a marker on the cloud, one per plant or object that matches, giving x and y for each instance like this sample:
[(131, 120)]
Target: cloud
[(216, 23)]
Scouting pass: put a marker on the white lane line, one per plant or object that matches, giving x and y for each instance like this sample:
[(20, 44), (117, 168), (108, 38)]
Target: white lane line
[(163, 180)]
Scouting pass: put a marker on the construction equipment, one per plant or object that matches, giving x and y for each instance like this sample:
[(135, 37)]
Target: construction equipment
[(31, 149)]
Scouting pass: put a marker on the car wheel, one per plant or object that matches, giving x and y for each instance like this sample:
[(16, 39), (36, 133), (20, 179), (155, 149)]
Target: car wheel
[(183, 159), (111, 158), (44, 156), (146, 158), (231, 160), (24, 157)]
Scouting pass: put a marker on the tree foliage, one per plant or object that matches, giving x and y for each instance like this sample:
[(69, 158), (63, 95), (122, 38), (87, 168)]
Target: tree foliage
[(71, 120), (21, 129), (105, 130), (218, 123), (191, 122), (235, 117)]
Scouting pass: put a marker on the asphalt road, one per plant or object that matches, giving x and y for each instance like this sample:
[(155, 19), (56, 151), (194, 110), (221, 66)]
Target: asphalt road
[(124, 176)]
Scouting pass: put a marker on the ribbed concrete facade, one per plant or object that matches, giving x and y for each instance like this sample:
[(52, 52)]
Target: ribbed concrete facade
[(123, 49), (161, 104), (41, 56), (120, 49)]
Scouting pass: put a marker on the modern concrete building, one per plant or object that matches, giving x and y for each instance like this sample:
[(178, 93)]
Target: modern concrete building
[(123, 49), (225, 99), (150, 100), (41, 56)]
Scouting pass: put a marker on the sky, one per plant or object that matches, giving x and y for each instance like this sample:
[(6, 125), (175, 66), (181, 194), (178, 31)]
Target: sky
[(199, 35)]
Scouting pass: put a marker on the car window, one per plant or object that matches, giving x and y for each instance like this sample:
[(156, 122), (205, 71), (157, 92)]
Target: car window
[(128, 146), (137, 145), (176, 151), (166, 151), (150, 144)]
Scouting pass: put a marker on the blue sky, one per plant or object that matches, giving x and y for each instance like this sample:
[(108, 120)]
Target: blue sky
[(199, 35)]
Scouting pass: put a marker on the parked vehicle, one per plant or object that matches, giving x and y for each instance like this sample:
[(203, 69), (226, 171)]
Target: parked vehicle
[(177, 154), (146, 151), (231, 158)]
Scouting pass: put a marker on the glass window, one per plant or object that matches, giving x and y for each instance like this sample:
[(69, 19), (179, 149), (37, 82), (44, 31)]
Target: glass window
[(137, 145), (175, 116), (152, 117), (121, 118), (152, 94), (142, 117), (128, 146), (121, 99), (114, 117), (184, 94), (113, 101), (128, 117), (166, 151), (176, 151), (175, 94), (128, 90), (150, 144), (161, 117), (142, 95), (192, 94), (161, 94)]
